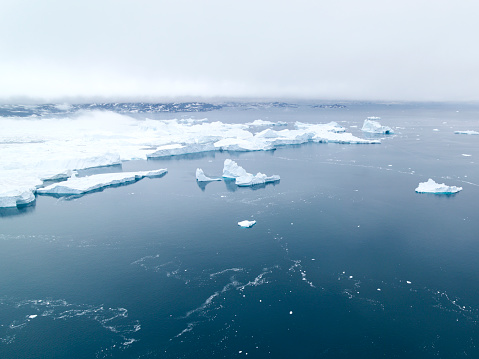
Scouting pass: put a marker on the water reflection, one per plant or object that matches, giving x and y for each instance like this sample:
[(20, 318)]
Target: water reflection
[(19, 210)]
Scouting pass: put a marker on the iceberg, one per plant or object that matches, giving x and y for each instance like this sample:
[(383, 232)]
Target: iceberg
[(259, 178), (246, 224), (200, 176), (468, 132), (242, 178), (372, 125), (432, 187), (81, 185), (36, 149), (232, 170)]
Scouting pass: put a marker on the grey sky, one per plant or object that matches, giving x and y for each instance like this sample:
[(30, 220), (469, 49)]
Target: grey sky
[(342, 49)]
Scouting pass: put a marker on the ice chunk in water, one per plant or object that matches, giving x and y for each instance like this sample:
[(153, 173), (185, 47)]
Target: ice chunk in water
[(372, 125), (432, 187), (246, 224)]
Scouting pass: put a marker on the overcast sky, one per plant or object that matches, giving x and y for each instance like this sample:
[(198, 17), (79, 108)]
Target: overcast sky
[(342, 49)]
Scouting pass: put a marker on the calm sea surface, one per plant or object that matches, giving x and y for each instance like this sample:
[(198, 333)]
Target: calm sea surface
[(345, 261)]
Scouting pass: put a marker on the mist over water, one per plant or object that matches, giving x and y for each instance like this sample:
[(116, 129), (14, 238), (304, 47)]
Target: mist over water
[(345, 259)]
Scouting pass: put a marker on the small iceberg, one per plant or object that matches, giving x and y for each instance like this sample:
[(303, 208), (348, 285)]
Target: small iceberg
[(242, 178), (468, 132), (372, 125), (432, 187), (259, 178), (201, 177), (82, 185), (246, 224)]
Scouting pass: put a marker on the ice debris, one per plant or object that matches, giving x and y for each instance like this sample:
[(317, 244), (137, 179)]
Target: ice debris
[(81, 185), (432, 187), (246, 224), (242, 178), (201, 177), (372, 125), (468, 132)]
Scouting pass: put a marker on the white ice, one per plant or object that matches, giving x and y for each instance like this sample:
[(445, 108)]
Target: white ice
[(468, 132), (432, 187), (201, 177), (246, 224), (36, 149), (80, 185), (372, 125), (242, 178)]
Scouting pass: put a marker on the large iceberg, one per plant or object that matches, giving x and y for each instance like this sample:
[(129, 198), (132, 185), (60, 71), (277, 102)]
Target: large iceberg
[(372, 125), (242, 178), (201, 177), (36, 149), (432, 187), (81, 185)]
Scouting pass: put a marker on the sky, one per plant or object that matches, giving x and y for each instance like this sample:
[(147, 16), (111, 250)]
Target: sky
[(57, 50)]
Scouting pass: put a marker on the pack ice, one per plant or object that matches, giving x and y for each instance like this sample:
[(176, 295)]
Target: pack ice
[(372, 125), (36, 149), (432, 187), (242, 178), (80, 185)]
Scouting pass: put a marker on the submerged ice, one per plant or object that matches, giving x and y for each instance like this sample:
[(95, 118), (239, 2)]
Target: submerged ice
[(36, 149)]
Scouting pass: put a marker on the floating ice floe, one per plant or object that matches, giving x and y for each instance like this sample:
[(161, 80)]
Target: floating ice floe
[(260, 123), (372, 125), (242, 178), (33, 150), (246, 224), (81, 185), (201, 177), (432, 187), (468, 132)]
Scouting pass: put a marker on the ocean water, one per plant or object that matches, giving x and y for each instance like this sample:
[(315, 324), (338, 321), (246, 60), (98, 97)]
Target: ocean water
[(345, 260)]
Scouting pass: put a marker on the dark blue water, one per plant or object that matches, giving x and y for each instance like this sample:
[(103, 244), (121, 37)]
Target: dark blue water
[(345, 261)]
